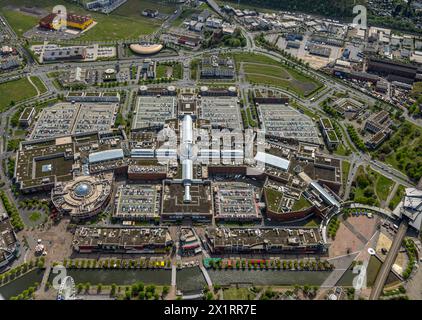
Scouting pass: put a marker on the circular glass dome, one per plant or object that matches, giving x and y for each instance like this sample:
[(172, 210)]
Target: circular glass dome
[(82, 189)]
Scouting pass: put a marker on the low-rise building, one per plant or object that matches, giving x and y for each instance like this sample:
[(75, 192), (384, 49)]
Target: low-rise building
[(150, 13), (9, 244), (27, 116), (265, 240), (122, 240), (330, 136)]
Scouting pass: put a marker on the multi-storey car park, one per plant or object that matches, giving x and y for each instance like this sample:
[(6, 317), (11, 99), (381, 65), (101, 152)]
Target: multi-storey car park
[(153, 111), (222, 112), (68, 118), (138, 202), (285, 121), (236, 201)]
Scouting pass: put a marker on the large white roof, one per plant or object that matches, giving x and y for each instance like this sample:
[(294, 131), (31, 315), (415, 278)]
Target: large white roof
[(106, 155), (272, 160)]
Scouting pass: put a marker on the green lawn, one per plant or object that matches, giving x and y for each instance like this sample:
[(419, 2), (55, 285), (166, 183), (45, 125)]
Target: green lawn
[(39, 84), (114, 27), (261, 69), (18, 21), (383, 187), (238, 294), (398, 196), (345, 168), (273, 71), (273, 199), (300, 204), (403, 150), (341, 150), (135, 7), (35, 216), (313, 223), (125, 23), (15, 91), (371, 187)]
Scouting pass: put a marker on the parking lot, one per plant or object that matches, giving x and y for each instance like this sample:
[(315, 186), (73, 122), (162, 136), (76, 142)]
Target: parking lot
[(138, 201), (284, 121), (153, 111), (67, 118), (222, 112), (235, 201)]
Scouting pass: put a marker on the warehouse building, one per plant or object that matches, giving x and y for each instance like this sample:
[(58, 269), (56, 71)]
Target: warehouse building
[(392, 68)]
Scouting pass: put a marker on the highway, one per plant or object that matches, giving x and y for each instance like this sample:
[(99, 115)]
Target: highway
[(389, 261)]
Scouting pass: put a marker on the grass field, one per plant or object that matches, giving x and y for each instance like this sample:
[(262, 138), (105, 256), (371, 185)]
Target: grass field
[(345, 168), (300, 204), (383, 187), (371, 187), (238, 294), (35, 216), (15, 91), (39, 84), (124, 23), (19, 22), (398, 196), (404, 150), (261, 69), (271, 71), (273, 199)]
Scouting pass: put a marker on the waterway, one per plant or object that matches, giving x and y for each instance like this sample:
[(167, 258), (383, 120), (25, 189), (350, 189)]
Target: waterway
[(267, 277), (16, 287), (190, 280), (373, 268), (119, 276)]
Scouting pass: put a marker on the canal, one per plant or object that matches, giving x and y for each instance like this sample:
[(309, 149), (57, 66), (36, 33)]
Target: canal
[(118, 276), (16, 287), (268, 277)]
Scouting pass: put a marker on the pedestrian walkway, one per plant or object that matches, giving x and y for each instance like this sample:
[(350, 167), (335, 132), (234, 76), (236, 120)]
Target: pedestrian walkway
[(173, 275), (193, 296), (206, 275), (359, 235)]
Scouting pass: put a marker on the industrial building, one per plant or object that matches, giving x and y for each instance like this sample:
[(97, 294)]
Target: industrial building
[(379, 124), (64, 54), (217, 67), (402, 72), (27, 116)]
